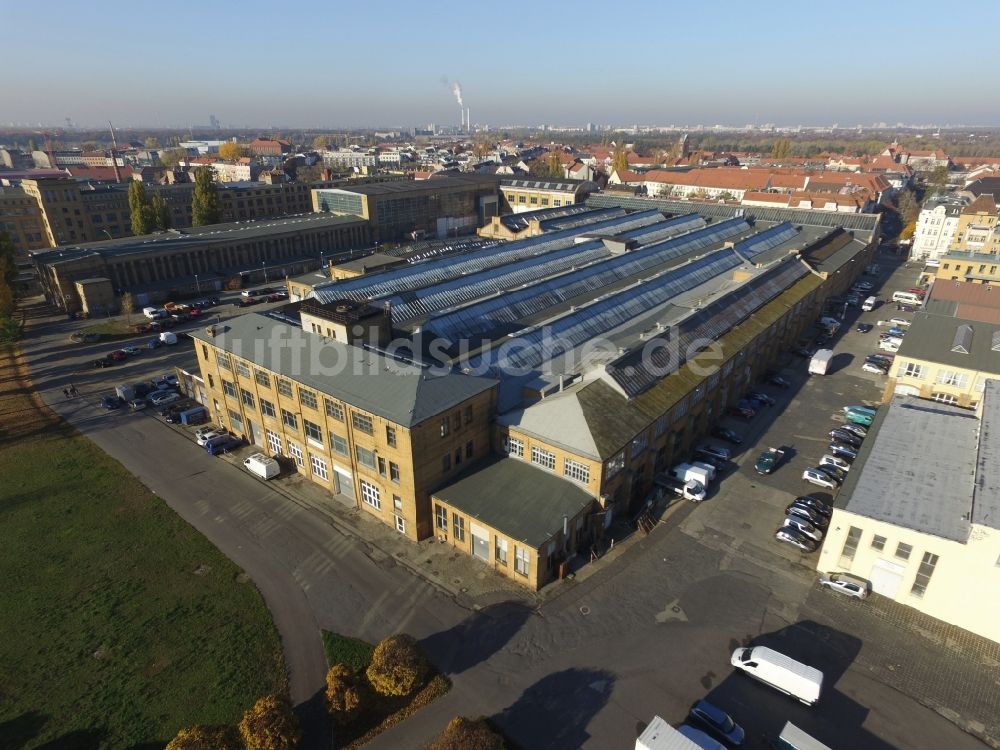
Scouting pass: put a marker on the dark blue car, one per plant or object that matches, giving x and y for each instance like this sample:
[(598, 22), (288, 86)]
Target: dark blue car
[(716, 722)]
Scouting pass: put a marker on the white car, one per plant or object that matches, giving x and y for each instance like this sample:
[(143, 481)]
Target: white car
[(131, 350), (206, 436), (164, 397), (803, 527), (901, 322), (874, 369), (845, 585), (840, 463), (819, 478), (205, 428)]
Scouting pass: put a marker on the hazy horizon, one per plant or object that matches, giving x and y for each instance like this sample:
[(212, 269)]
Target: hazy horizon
[(564, 64)]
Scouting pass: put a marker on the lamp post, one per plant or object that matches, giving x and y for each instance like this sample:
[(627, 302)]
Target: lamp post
[(263, 265), (197, 285), (107, 233)]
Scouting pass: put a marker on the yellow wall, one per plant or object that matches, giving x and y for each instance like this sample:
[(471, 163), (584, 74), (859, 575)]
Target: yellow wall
[(966, 393), (964, 589)]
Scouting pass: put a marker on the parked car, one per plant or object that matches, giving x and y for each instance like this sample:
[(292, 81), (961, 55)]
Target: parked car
[(840, 463), (768, 460), (741, 413), (774, 378), (716, 722), (864, 327), (205, 428), (118, 355), (834, 472), (131, 350), (724, 433), (164, 397), (901, 322), (814, 504), (761, 397), (844, 584), (716, 450), (137, 404), (803, 527), (860, 431), (105, 362), (874, 369), (277, 296), (804, 511), (817, 477), (896, 332), (842, 451), (917, 290), (247, 301), (860, 418), (845, 436), (796, 538), (801, 351), (706, 458), (111, 402)]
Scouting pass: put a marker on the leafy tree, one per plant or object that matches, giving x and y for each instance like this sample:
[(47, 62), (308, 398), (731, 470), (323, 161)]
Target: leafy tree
[(939, 179), (151, 142), (127, 303), (908, 230), (6, 301), (230, 151), (344, 693), (555, 165), (398, 666), (142, 211), (171, 157), (619, 160), (321, 142), (270, 724), (727, 196), (160, 211), (206, 207), (462, 733), (908, 207), (8, 258), (782, 148), (201, 737)]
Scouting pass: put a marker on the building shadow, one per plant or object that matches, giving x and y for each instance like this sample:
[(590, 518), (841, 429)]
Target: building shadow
[(476, 638), (19, 731), (79, 739), (555, 711), (837, 720)]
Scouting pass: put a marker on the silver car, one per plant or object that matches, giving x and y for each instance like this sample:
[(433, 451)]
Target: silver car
[(845, 585), (803, 526)]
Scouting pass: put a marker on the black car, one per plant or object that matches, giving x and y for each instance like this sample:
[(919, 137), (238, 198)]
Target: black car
[(864, 327), (760, 396), (142, 389), (801, 351), (843, 451), (111, 402), (724, 433), (845, 436), (707, 458), (104, 362), (838, 475), (815, 504), (774, 378), (802, 511)]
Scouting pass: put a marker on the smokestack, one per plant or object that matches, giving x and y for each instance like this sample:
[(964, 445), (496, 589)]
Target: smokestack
[(461, 118), (468, 119), (114, 153)]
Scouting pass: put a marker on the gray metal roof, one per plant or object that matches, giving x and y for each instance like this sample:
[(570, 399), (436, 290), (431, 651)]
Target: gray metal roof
[(517, 499), (916, 468), (986, 493), (400, 392), (932, 338)]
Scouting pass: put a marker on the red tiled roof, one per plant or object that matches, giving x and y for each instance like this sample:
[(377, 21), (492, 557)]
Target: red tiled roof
[(99, 174)]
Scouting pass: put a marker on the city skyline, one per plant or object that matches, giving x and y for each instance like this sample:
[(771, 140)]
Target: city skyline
[(389, 67)]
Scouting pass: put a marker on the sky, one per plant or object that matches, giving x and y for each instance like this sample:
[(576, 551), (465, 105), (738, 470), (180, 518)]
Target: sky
[(390, 63)]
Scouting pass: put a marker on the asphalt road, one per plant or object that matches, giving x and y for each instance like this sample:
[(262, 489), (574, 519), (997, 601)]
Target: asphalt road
[(649, 633)]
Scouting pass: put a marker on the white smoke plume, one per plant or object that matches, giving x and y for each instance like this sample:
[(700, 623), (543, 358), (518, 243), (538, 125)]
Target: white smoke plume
[(456, 89)]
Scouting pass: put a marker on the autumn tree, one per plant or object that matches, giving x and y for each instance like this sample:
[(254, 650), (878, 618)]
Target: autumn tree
[(151, 142), (939, 179), (344, 693), (321, 142), (201, 737), (462, 733), (619, 160), (270, 724), (908, 231), (160, 212), (142, 211), (555, 165), (171, 157), (6, 301), (398, 666), (782, 148), (230, 151), (206, 206), (127, 304), (908, 207)]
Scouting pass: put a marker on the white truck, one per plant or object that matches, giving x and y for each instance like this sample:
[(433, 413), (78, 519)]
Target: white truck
[(168, 338), (689, 490), (698, 472), (780, 672), (659, 735), (263, 466), (820, 362)]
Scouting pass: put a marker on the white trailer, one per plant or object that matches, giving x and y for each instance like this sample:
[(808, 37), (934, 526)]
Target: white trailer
[(780, 672), (686, 472), (820, 361), (793, 738), (659, 735)]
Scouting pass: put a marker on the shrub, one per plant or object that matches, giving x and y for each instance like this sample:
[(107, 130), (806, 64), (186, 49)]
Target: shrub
[(398, 666), (462, 733), (344, 693), (270, 725), (201, 737)]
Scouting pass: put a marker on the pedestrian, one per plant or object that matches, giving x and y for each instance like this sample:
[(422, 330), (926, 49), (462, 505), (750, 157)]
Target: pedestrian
[(72, 390), (66, 392)]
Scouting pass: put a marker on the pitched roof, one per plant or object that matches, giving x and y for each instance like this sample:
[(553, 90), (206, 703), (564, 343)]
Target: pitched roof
[(402, 393), (932, 338), (984, 204)]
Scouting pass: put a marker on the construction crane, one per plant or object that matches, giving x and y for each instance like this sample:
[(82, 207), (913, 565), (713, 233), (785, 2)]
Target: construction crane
[(114, 153)]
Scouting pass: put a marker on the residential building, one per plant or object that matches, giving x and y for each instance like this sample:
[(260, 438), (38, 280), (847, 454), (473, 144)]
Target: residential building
[(154, 267), (13, 158), (441, 206), (976, 224), (947, 359), (519, 195), (919, 513), (269, 147), (377, 431), (22, 219), (936, 227)]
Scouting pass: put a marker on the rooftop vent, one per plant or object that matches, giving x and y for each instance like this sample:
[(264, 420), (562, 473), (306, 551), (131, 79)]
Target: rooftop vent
[(963, 340)]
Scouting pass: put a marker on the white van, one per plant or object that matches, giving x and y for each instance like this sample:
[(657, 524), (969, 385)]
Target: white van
[(907, 298), (870, 304), (889, 345), (263, 466), (780, 672)]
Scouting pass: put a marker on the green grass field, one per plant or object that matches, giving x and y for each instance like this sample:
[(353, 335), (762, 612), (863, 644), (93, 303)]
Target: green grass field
[(350, 651), (120, 623)]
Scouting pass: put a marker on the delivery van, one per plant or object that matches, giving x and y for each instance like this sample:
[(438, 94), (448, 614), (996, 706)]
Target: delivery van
[(262, 465), (870, 304), (781, 672)]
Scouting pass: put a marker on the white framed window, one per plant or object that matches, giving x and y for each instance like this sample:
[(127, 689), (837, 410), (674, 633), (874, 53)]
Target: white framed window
[(314, 433), (296, 453), (575, 470), (458, 523), (400, 523), (273, 442), (284, 388), (242, 370), (543, 458), (441, 520), (952, 378), (911, 370), (924, 573), (501, 551), (362, 423), (333, 409), (319, 468), (338, 444), (522, 560), (365, 457), (615, 464), (371, 495), (944, 398), (307, 398), (514, 446)]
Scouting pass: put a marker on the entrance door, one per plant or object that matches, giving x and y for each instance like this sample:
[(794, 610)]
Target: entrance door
[(480, 542), (886, 578), (343, 483), (256, 436)]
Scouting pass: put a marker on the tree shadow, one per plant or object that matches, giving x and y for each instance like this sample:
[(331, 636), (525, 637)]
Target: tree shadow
[(18, 732), (78, 739), (476, 638), (555, 711), (314, 720), (836, 720)]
